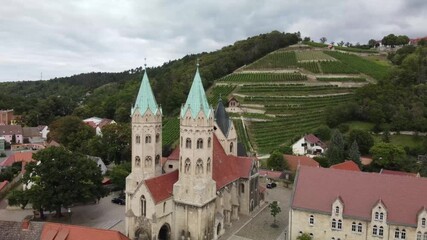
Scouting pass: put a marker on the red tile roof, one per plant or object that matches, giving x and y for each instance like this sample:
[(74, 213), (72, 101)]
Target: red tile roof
[(24, 157), (270, 174), (56, 231), (226, 169), (295, 161), (360, 191), (10, 130), (399, 173), (90, 124), (347, 165), (313, 139), (3, 184), (161, 187)]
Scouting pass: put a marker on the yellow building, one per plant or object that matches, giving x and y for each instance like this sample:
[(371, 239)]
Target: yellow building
[(332, 204)]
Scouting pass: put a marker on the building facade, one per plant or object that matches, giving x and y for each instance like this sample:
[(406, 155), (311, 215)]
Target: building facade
[(203, 186), (357, 205)]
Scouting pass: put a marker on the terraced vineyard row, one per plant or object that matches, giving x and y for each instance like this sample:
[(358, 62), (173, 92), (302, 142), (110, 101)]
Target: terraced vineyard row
[(336, 67), (269, 135), (349, 79), (362, 65), (289, 90), (310, 66), (219, 91), (263, 77), (313, 56), (268, 100), (170, 131), (275, 60), (242, 136)]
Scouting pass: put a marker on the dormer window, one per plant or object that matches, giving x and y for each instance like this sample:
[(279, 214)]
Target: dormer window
[(403, 234), (334, 223), (376, 216), (381, 231), (375, 230), (353, 227), (359, 228), (423, 222), (337, 210), (339, 224), (381, 216)]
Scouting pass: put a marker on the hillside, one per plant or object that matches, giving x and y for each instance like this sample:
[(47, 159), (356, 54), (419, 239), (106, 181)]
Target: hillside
[(110, 95), (287, 92)]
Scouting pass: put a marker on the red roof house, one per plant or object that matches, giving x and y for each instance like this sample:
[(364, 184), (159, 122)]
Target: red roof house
[(296, 161), (347, 165), (359, 192), (56, 231)]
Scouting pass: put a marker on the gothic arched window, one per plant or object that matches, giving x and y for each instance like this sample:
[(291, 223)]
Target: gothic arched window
[(143, 206), (199, 167), (157, 138), (199, 143), (209, 142), (231, 147), (157, 159), (208, 165), (137, 161), (188, 143), (148, 139), (187, 165), (148, 160), (138, 139)]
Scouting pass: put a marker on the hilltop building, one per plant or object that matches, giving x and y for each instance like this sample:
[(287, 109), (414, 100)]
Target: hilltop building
[(308, 145), (338, 204), (202, 187)]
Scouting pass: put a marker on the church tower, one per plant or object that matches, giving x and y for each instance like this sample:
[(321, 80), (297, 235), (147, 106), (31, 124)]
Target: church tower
[(146, 136), (195, 191)]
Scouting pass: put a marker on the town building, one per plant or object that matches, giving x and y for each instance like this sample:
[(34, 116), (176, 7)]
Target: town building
[(12, 133), (338, 204), (98, 123), (308, 145), (296, 162), (6, 117), (346, 165), (202, 187)]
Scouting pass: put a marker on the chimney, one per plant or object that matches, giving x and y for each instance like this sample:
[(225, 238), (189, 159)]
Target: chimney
[(25, 224)]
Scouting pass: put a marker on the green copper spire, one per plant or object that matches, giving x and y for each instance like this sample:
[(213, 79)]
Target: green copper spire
[(145, 99), (196, 100)]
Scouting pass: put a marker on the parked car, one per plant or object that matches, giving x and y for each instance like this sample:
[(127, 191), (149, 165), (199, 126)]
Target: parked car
[(119, 200), (271, 185)]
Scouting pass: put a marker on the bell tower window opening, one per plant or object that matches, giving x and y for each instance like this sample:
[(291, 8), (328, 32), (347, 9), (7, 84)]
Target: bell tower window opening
[(148, 139), (187, 166), (188, 143), (143, 206), (199, 143), (231, 147), (209, 142), (208, 165), (148, 161), (138, 139), (137, 161), (157, 138), (199, 167)]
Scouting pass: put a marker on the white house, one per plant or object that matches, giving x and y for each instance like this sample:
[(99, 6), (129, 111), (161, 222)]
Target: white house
[(44, 130), (308, 145), (98, 123)]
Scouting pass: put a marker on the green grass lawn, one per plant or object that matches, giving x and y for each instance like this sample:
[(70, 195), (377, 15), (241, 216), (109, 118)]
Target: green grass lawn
[(406, 141), (366, 126)]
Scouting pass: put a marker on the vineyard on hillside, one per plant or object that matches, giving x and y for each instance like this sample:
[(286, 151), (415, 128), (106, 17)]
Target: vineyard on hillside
[(286, 94)]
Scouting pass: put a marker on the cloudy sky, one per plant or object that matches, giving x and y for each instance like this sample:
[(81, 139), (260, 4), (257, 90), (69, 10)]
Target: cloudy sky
[(63, 37)]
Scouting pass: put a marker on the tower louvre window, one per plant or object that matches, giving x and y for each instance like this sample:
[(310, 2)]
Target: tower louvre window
[(208, 165), (187, 165), (199, 166), (157, 138), (148, 139), (209, 142), (231, 147), (188, 143), (138, 139), (199, 143)]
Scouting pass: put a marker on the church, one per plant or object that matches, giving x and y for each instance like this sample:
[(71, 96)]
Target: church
[(202, 187)]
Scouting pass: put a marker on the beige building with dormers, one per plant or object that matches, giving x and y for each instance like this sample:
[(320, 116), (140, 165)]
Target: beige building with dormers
[(332, 204), (202, 187)]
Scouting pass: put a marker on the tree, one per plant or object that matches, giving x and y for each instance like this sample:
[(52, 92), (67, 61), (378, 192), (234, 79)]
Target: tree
[(18, 198), (274, 210), (372, 43), (323, 132), (341, 43), (363, 138), (71, 132), (61, 178), (119, 173), (306, 39), (335, 152), (304, 236), (354, 154), (323, 39), (388, 156), (277, 162)]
